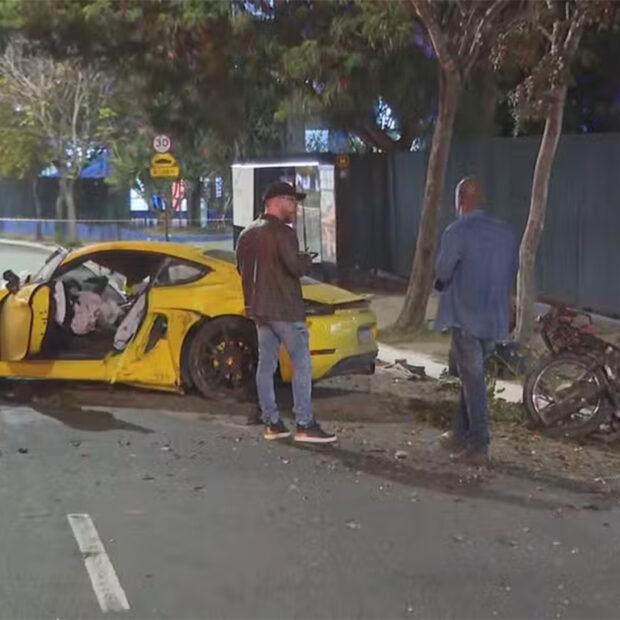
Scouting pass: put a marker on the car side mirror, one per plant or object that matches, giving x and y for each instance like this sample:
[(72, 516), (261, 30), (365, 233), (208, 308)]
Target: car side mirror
[(12, 281)]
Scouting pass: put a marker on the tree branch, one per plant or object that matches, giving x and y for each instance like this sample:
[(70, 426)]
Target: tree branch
[(375, 136), (544, 32), (573, 37), (427, 14), (476, 43)]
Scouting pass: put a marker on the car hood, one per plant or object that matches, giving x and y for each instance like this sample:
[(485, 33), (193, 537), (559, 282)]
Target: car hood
[(322, 293)]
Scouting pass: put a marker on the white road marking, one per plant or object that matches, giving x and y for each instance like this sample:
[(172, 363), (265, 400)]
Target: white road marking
[(106, 585)]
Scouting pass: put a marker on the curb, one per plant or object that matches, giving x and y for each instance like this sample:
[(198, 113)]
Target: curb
[(42, 247)]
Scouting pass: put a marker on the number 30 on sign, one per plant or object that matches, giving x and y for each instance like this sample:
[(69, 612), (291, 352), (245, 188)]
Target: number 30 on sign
[(162, 143)]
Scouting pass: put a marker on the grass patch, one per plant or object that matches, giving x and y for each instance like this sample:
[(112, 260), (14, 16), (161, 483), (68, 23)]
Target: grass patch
[(394, 335)]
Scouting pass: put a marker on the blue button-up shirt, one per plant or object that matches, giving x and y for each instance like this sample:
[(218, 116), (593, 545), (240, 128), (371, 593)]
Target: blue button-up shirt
[(476, 267)]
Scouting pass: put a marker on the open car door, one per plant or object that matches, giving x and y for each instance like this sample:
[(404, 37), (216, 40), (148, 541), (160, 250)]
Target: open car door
[(24, 316)]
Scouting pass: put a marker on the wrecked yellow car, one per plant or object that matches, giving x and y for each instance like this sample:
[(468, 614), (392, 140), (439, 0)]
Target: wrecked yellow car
[(162, 316)]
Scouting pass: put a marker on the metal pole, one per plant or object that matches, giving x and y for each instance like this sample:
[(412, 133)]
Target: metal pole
[(303, 220), (167, 204)]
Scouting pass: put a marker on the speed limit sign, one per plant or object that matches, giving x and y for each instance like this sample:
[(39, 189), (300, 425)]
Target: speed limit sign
[(162, 143)]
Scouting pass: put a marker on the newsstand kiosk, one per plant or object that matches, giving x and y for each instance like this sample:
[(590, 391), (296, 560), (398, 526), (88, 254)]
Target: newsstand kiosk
[(320, 218)]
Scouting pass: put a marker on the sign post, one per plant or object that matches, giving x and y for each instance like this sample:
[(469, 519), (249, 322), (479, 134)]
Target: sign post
[(164, 166)]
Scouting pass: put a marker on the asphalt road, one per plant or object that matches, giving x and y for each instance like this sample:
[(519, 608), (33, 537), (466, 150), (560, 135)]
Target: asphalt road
[(196, 516), (201, 518)]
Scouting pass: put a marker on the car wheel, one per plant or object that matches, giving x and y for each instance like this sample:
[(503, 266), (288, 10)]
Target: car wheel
[(223, 357)]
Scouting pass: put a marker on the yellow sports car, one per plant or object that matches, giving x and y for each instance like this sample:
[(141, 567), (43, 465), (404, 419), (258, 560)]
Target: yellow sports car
[(164, 316)]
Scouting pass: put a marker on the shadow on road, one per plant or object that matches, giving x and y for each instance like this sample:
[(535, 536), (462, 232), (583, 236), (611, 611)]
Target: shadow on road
[(467, 483), (331, 404), (62, 406), (88, 419)]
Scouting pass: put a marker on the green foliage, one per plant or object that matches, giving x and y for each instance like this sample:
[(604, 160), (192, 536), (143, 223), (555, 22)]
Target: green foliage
[(191, 65), (344, 57), (57, 107), (541, 52), (24, 151)]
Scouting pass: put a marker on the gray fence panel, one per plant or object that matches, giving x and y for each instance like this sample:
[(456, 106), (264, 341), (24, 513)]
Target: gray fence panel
[(599, 225), (369, 213), (559, 252), (579, 254), (409, 173)]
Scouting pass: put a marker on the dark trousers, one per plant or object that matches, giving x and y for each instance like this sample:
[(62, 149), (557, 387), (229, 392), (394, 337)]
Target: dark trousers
[(471, 421)]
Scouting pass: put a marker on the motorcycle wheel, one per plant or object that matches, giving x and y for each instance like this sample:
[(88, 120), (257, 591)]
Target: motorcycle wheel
[(561, 378)]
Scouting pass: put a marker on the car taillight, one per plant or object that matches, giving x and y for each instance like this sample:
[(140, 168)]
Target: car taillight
[(316, 309), (361, 304)]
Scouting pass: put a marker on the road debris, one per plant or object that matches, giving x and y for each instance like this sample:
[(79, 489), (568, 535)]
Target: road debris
[(507, 542), (400, 370)]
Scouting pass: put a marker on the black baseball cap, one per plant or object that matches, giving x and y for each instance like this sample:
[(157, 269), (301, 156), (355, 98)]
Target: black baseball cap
[(280, 188)]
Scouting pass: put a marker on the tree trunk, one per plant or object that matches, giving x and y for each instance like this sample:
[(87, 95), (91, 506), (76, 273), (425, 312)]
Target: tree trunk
[(421, 280), (193, 203), (38, 208), (60, 212), (526, 281), (71, 212), (66, 194)]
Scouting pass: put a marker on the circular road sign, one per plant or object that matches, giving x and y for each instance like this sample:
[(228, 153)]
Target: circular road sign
[(162, 143)]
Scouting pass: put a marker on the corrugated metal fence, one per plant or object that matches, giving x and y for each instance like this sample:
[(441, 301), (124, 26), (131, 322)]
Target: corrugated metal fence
[(579, 258)]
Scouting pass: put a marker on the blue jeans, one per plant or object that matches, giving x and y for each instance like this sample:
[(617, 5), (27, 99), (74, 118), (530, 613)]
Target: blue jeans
[(295, 338), (471, 422)]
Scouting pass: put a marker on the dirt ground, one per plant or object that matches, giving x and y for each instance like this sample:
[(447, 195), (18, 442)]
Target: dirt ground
[(386, 425)]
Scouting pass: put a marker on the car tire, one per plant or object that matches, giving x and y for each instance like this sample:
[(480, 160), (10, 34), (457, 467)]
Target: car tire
[(222, 358)]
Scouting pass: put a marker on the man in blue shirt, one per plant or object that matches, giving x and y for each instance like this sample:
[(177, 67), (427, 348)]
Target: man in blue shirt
[(475, 271)]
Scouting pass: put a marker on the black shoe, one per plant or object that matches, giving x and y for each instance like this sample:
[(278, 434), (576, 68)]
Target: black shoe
[(474, 458), (313, 433), (277, 431)]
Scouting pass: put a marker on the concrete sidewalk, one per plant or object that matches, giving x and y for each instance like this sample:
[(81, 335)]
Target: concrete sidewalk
[(33, 245), (432, 354), (510, 391)]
